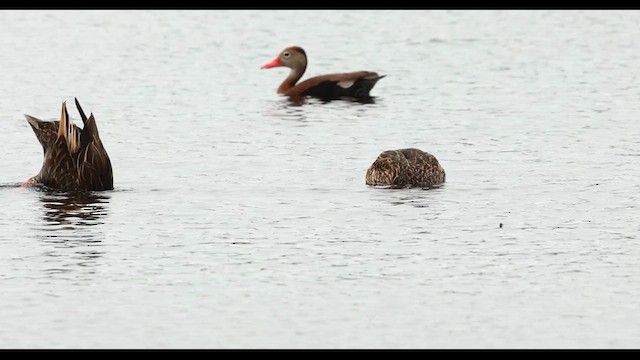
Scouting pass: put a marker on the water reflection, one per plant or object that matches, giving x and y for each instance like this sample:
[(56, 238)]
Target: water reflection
[(301, 100), (290, 108), (71, 229), (419, 197), (73, 208)]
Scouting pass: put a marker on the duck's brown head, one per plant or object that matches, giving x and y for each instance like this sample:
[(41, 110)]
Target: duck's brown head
[(292, 57)]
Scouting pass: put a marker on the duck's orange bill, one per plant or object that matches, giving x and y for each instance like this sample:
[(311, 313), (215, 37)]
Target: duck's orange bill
[(275, 62)]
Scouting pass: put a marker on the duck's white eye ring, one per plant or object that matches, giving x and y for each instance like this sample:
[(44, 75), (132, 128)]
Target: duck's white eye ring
[(286, 54)]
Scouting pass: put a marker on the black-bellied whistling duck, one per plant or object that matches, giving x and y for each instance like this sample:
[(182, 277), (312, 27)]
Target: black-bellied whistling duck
[(74, 158), (404, 168), (332, 86)]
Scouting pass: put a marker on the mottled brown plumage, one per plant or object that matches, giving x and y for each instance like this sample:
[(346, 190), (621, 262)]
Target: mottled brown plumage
[(356, 84), (405, 167), (74, 158)]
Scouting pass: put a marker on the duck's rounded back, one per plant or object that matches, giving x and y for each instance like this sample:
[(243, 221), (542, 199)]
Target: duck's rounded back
[(405, 167)]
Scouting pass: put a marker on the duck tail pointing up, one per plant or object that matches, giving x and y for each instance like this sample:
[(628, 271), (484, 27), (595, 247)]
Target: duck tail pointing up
[(82, 114), (66, 130)]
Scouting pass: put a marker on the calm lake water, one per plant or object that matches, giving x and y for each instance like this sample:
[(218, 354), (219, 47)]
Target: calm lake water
[(239, 220)]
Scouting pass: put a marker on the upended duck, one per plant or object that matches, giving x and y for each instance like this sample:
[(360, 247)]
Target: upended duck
[(74, 158), (405, 168), (355, 84)]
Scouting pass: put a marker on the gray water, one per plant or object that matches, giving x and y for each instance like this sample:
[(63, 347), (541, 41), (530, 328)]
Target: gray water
[(239, 220)]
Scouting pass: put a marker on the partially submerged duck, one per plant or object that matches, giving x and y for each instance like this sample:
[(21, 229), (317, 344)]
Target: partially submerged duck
[(405, 167), (356, 85), (74, 158)]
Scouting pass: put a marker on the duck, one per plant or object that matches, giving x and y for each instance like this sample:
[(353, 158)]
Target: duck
[(409, 167), (74, 158), (353, 85)]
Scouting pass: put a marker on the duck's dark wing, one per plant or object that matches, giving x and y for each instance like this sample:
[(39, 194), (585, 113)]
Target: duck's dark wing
[(332, 86), (94, 168), (58, 167), (93, 163)]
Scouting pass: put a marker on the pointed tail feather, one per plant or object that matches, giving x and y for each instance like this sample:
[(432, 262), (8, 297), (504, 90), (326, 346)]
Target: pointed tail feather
[(64, 121), (90, 130), (66, 130), (82, 114)]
